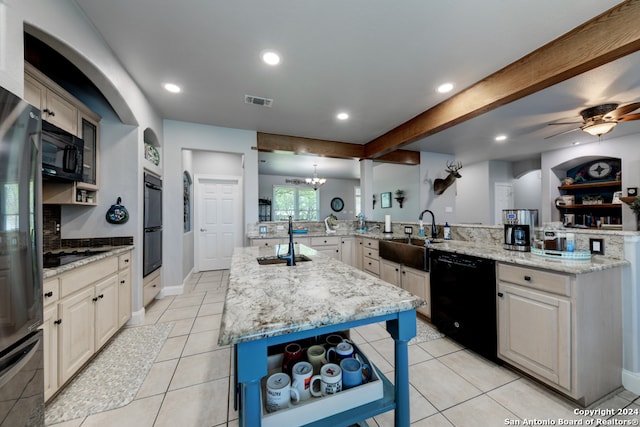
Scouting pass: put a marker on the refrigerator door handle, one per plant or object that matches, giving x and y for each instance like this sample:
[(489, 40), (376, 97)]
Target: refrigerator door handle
[(17, 359)]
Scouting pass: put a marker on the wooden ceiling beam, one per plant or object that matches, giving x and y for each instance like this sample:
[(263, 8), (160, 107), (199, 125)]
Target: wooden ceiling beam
[(342, 150), (609, 36)]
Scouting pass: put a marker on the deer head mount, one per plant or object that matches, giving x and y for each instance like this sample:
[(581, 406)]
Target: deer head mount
[(439, 185)]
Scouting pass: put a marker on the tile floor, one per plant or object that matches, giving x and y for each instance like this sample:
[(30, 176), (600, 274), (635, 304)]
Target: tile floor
[(189, 384)]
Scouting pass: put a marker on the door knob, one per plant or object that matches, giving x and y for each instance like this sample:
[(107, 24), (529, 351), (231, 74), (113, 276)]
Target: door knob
[(203, 229)]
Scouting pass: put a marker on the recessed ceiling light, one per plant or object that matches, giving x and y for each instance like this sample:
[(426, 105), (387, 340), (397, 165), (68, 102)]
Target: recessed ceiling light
[(270, 57), (173, 88), (342, 116), (501, 137), (576, 143), (444, 88)]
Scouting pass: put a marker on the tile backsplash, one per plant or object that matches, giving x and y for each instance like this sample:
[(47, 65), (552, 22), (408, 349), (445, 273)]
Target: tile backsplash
[(51, 240)]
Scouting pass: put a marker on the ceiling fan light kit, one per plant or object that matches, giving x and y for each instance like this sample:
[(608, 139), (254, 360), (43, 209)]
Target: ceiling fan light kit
[(601, 119)]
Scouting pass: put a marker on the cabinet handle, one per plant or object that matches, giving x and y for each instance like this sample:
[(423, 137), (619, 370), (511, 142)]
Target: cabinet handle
[(404, 272), (500, 294), (369, 263), (396, 269), (49, 294), (94, 299), (122, 282), (101, 296), (57, 322), (49, 112), (527, 278), (126, 260), (154, 286)]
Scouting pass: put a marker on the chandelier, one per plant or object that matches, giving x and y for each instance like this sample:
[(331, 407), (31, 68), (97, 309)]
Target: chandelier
[(315, 182)]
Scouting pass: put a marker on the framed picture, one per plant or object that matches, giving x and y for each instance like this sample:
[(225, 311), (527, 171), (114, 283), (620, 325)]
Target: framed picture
[(385, 200)]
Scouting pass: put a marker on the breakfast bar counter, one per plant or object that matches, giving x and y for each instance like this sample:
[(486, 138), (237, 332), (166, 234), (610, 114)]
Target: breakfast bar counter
[(269, 305)]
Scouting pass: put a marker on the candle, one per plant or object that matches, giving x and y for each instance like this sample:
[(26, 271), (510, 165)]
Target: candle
[(387, 223)]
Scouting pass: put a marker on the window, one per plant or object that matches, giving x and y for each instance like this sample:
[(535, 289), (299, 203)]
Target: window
[(300, 203)]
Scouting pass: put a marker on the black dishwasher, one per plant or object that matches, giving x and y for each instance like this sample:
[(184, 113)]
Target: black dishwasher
[(463, 301)]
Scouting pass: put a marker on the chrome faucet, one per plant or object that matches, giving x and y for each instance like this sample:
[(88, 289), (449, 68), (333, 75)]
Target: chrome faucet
[(290, 256), (434, 229)]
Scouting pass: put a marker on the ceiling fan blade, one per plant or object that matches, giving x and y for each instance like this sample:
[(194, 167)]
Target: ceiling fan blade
[(561, 133), (566, 123), (629, 117), (621, 111)]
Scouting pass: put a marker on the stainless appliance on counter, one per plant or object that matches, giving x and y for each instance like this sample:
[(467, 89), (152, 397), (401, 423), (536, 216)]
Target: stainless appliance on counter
[(152, 245), (519, 228), (21, 359)]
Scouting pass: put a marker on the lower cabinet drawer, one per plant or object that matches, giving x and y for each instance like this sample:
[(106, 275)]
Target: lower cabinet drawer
[(371, 265), (150, 290), (536, 279)]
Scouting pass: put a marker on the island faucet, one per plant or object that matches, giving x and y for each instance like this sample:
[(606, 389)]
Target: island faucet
[(434, 229), (290, 256)]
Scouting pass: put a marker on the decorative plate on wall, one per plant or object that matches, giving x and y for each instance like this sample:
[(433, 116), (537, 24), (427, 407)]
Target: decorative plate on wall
[(337, 204)]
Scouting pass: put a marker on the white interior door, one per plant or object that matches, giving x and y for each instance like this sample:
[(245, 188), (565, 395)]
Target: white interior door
[(219, 219), (503, 199)]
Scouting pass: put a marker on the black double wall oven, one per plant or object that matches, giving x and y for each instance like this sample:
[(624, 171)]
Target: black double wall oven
[(152, 245)]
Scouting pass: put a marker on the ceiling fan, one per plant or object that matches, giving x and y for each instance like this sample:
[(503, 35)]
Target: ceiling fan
[(602, 119)]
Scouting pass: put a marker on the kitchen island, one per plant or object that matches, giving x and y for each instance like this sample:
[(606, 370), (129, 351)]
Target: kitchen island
[(268, 305)]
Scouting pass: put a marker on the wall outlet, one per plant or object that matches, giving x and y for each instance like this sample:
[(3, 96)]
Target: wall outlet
[(408, 229), (263, 229), (448, 209), (280, 227), (596, 246)]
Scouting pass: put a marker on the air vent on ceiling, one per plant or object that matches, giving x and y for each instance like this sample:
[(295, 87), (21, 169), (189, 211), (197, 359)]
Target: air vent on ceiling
[(256, 100)]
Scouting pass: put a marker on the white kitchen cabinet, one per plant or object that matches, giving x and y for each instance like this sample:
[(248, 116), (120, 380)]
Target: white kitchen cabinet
[(83, 308), (563, 329), (347, 250), (50, 320), (357, 252), (124, 289), (151, 286), (65, 111), (410, 279), (370, 256), (328, 245), (77, 332), (56, 106)]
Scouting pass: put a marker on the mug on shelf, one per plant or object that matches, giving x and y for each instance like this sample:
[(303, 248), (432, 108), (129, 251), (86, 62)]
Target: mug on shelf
[(354, 372), (302, 373), (332, 340), (292, 355), (316, 355), (340, 351), (280, 393), (330, 379)]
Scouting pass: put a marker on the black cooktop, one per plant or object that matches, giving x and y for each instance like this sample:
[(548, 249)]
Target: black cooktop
[(57, 259)]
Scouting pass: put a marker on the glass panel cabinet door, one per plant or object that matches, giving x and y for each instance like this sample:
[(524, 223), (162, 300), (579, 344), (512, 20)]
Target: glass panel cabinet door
[(89, 134)]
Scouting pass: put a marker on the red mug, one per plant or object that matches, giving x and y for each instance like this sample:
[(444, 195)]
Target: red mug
[(292, 355)]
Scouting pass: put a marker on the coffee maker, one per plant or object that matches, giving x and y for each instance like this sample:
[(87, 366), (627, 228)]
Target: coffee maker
[(519, 228)]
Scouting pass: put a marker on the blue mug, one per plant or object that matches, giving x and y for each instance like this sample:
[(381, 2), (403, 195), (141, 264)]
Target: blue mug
[(354, 372)]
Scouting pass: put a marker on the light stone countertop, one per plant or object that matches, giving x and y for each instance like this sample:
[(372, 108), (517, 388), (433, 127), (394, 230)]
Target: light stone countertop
[(109, 251), (270, 300), (527, 259)]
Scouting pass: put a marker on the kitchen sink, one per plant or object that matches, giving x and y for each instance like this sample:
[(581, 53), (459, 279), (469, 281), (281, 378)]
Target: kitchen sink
[(270, 260), (414, 254)]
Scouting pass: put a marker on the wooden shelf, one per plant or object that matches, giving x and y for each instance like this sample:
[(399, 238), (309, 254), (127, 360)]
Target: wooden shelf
[(591, 185), (628, 200), (594, 206)]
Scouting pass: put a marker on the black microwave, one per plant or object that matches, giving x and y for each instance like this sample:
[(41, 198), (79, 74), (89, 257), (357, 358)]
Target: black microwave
[(62, 154)]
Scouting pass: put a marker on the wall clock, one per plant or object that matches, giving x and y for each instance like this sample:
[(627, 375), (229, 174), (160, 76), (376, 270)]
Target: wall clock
[(337, 204), (599, 170)]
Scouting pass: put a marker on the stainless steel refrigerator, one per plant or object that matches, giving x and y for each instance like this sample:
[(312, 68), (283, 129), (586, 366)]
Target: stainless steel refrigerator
[(21, 350)]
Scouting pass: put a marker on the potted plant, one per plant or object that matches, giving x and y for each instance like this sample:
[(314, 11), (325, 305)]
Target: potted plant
[(399, 197), (635, 207)]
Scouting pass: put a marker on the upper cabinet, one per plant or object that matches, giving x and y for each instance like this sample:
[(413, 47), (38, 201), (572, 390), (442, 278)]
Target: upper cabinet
[(65, 111)]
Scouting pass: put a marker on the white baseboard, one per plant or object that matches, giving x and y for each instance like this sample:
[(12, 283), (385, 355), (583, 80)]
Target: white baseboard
[(631, 381), (137, 317), (171, 290)]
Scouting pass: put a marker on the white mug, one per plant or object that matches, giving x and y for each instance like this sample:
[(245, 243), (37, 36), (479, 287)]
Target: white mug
[(330, 380), (302, 374), (279, 392)]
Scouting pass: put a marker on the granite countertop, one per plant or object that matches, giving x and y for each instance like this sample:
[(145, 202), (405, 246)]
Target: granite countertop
[(109, 251), (271, 300), (527, 259)]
